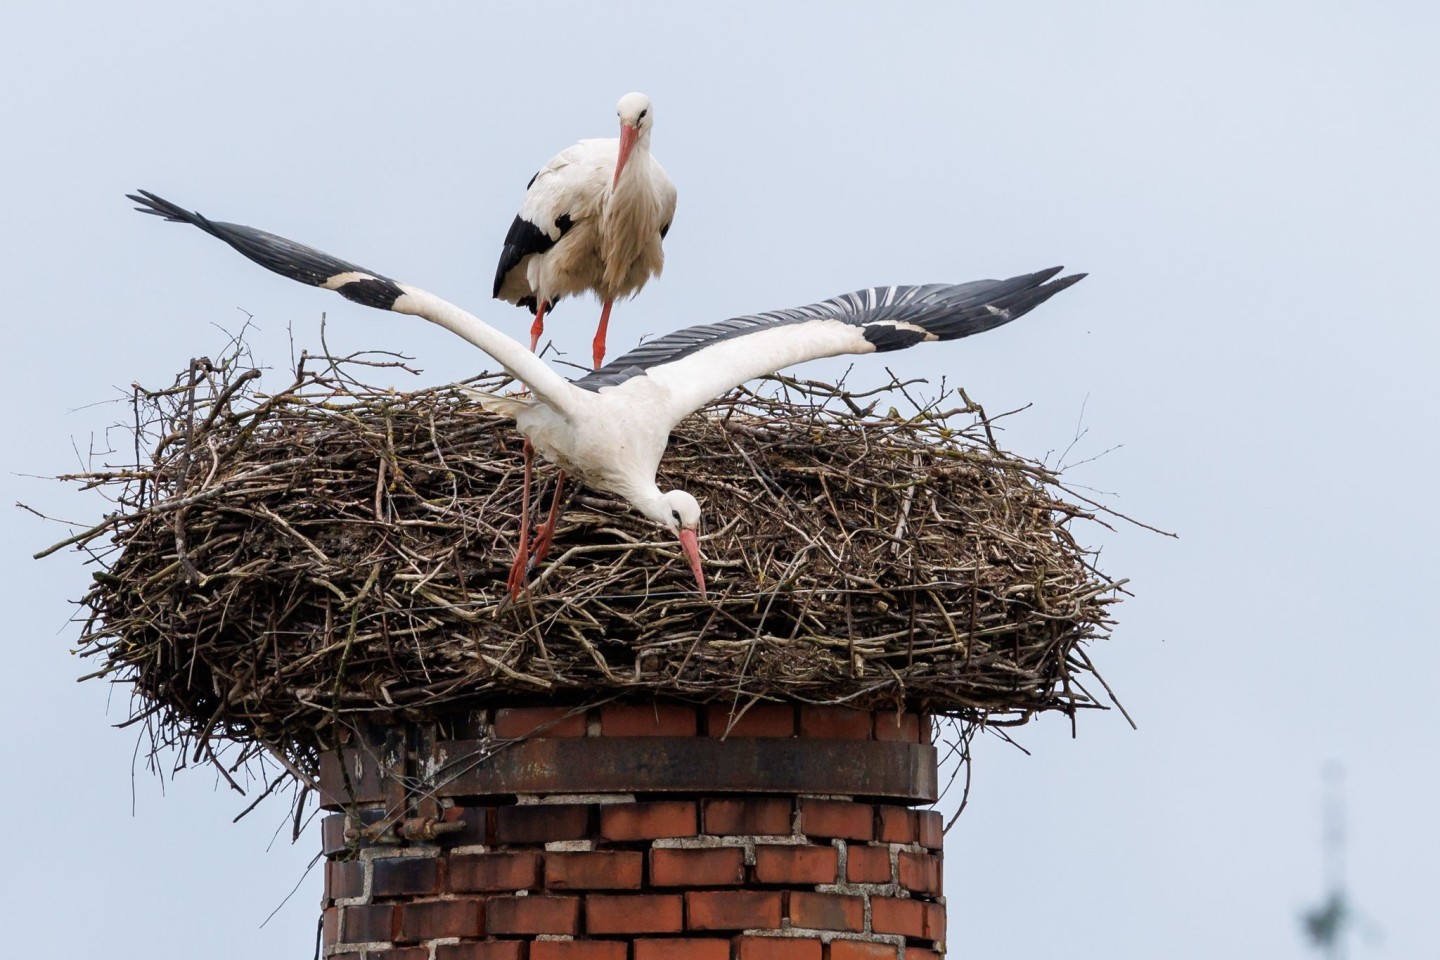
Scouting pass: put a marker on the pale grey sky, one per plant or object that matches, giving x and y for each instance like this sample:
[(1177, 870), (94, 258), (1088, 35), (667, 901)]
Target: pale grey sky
[(1251, 185)]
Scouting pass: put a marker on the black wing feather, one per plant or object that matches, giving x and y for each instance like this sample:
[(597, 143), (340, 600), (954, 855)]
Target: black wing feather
[(279, 255), (892, 318)]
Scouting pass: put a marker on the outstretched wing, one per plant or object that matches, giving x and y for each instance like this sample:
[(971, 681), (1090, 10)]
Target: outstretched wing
[(318, 269), (697, 364)]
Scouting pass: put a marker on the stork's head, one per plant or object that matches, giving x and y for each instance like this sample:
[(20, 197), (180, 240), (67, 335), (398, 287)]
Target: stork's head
[(636, 116), (680, 512)]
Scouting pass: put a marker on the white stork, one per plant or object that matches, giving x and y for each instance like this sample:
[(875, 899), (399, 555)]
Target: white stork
[(610, 427), (593, 218)]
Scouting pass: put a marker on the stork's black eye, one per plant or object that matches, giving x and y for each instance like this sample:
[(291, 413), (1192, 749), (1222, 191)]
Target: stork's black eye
[(643, 112), (676, 515)]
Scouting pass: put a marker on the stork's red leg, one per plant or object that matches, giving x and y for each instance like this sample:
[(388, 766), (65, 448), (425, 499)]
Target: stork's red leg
[(546, 535), (538, 327), (516, 581), (599, 345)]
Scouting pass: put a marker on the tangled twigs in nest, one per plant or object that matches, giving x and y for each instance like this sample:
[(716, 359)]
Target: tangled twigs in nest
[(278, 563)]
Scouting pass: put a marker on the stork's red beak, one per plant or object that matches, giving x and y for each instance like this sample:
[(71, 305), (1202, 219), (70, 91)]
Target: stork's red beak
[(691, 543), (628, 136)]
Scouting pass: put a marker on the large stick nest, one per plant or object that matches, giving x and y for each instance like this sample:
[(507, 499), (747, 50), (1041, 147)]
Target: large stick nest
[(281, 563)]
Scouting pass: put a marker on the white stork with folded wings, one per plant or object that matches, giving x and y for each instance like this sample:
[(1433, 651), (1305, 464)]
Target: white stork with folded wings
[(610, 427)]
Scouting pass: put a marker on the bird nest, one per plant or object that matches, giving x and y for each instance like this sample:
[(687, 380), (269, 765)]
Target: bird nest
[(279, 565)]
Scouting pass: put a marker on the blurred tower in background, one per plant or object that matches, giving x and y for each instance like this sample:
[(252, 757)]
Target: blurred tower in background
[(1327, 924)]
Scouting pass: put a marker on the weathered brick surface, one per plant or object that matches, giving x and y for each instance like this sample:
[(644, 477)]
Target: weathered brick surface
[(613, 876), (648, 720), (796, 865), (485, 872), (920, 873), (733, 909), (837, 818), (481, 950), (714, 867), (579, 950), (892, 915), (649, 821), (369, 923), (752, 816), (835, 723), (517, 722), (931, 829), (433, 919), (900, 727), (404, 876), (597, 870), (646, 913), (826, 911), (862, 950), (540, 823), (868, 864), (532, 914), (761, 720), (344, 879), (683, 948), (777, 948), (896, 824)]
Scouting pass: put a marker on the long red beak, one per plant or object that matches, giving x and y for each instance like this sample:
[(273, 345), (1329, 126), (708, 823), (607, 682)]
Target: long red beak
[(691, 543), (628, 136)]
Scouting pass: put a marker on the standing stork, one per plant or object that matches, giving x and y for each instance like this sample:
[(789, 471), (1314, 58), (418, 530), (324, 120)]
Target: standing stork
[(593, 219), (610, 427)]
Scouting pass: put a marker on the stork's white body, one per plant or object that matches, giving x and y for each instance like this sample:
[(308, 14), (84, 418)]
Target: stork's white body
[(581, 228)]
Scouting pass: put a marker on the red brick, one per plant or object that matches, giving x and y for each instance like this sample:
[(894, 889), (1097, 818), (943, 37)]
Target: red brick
[(934, 921), (599, 870), (542, 822), (920, 873), (777, 948), (332, 834), (827, 911), (533, 914), (889, 915), (404, 876), (477, 825), (579, 950), (373, 922), (433, 919), (784, 863), (648, 821), (347, 955), (732, 909), (901, 727), (399, 953), (647, 913), (837, 818), (835, 723), (344, 879), (682, 948), (481, 872), (550, 722), (927, 728), (861, 950), (648, 720), (931, 829), (330, 926), (479, 950), (770, 816), (868, 864), (761, 720), (920, 953), (897, 824), (712, 867)]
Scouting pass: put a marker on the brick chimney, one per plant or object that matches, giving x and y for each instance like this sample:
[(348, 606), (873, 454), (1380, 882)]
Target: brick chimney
[(635, 831)]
